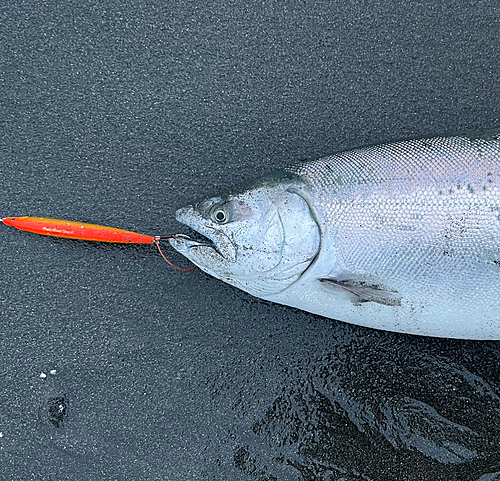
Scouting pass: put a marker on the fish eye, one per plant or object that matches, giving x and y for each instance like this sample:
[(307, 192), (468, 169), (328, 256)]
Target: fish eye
[(219, 215)]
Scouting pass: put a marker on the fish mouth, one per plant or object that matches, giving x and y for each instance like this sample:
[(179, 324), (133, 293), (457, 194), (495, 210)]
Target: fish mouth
[(197, 239), (204, 240)]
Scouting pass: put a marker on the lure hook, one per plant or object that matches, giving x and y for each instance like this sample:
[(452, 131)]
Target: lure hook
[(171, 236)]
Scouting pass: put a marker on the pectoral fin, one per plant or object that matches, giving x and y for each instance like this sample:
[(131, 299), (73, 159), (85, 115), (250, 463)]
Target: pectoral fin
[(364, 292)]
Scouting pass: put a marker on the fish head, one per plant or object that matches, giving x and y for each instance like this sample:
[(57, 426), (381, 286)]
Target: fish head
[(260, 240)]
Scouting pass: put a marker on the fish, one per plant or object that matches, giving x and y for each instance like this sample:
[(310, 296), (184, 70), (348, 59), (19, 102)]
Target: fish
[(401, 237)]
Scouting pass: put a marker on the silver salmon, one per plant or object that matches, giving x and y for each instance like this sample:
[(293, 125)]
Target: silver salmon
[(402, 237)]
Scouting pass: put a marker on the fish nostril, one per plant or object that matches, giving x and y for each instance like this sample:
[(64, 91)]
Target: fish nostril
[(205, 206)]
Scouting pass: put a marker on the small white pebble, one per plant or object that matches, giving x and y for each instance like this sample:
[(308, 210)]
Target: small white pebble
[(53, 372), (43, 375), (1, 435)]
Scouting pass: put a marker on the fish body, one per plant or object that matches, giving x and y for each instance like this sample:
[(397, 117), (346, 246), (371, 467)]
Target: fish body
[(402, 237)]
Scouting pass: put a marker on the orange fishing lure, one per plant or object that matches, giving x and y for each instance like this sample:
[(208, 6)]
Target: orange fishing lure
[(89, 232), (76, 230)]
